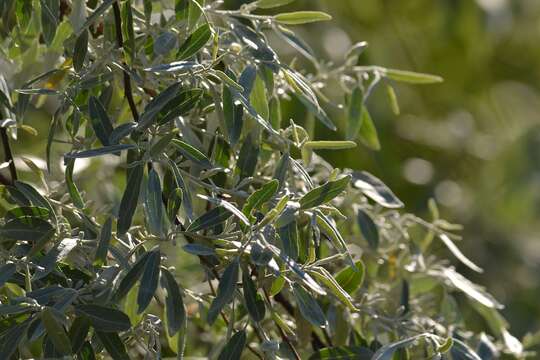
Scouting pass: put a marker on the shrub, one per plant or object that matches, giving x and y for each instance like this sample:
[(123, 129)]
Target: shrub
[(179, 106)]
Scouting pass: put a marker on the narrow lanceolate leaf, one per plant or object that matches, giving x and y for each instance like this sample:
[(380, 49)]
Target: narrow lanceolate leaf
[(106, 150), (375, 189), (78, 332), (153, 205), (149, 280), (50, 10), (228, 80), (458, 254), (131, 277), (174, 304), (26, 229), (55, 332), (392, 98), (103, 318), (194, 42), (227, 205), (387, 352), (259, 99), (198, 249), (114, 345), (354, 116), (11, 338), (324, 193), (234, 348), (96, 14), (289, 239), (101, 123), (411, 77), (72, 188), (268, 4), (309, 307), (176, 67), (164, 43), (128, 29), (254, 304), (210, 219), (225, 291), (6, 272), (174, 203), (34, 196), (368, 132), (259, 197), (104, 240), (324, 277), (232, 113), (329, 145), (128, 205), (25, 211), (192, 153), (301, 17), (157, 104), (351, 278), (343, 353), (80, 50), (369, 230)]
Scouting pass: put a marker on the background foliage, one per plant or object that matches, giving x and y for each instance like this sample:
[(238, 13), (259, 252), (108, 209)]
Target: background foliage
[(468, 142)]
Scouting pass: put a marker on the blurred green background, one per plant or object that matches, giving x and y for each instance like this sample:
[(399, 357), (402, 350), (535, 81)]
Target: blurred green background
[(472, 142)]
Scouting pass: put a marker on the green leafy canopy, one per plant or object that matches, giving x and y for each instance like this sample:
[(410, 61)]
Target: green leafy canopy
[(182, 212)]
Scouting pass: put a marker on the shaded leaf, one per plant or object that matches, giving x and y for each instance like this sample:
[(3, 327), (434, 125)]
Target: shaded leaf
[(105, 235), (254, 304), (343, 353), (192, 153), (174, 304), (369, 230), (128, 205), (101, 123), (106, 150), (209, 219), (113, 344), (309, 307), (55, 332), (104, 319), (225, 291), (234, 348), (149, 280)]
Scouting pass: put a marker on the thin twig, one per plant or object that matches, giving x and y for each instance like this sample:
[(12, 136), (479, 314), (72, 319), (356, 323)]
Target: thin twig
[(128, 91)]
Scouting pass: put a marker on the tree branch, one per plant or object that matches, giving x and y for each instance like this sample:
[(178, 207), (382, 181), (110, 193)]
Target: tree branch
[(128, 91)]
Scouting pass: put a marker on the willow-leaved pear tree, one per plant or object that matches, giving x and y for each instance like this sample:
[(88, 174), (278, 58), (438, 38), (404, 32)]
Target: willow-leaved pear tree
[(177, 108)]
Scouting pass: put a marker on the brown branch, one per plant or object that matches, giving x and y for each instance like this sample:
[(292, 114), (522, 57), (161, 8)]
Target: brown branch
[(128, 91)]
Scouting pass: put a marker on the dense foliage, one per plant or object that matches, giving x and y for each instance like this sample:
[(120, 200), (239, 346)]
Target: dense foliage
[(184, 100)]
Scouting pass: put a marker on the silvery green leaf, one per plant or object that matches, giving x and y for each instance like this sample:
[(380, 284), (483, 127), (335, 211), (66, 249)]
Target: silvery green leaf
[(106, 150), (177, 66), (309, 308), (375, 189)]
